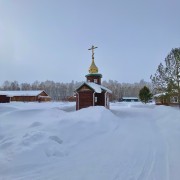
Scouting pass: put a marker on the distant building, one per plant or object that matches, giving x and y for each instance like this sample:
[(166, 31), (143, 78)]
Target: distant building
[(24, 96), (166, 99), (91, 92), (4, 99), (129, 99), (71, 98)]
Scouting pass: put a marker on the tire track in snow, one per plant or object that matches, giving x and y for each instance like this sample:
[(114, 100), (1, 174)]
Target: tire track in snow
[(148, 166), (155, 165)]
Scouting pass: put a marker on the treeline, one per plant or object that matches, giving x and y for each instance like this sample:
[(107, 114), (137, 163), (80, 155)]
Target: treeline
[(61, 91)]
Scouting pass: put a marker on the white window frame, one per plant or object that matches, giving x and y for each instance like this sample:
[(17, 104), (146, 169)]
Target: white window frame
[(95, 80)]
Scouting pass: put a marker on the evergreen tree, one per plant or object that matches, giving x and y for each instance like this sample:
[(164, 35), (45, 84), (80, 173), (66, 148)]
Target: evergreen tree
[(160, 80), (145, 95)]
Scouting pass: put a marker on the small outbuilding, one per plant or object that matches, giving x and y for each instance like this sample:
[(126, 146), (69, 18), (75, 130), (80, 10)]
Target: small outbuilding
[(91, 92), (129, 99), (166, 99)]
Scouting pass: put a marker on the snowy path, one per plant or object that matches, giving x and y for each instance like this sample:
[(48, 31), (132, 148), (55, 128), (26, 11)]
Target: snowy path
[(148, 158), (130, 142)]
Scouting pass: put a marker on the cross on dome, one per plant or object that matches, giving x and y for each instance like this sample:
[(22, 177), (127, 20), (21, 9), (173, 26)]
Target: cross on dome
[(93, 68)]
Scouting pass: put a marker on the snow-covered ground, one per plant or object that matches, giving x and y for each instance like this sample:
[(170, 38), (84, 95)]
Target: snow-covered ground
[(52, 141)]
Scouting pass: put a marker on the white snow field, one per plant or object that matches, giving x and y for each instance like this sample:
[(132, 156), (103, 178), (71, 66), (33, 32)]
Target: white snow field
[(52, 141)]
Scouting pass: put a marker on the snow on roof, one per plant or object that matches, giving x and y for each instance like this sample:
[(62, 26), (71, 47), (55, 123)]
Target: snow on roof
[(129, 97), (160, 94), (96, 87), (20, 93), (106, 89)]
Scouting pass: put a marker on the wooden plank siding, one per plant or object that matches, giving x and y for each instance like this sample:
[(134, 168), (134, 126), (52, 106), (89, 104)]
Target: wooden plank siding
[(4, 99), (85, 99), (24, 98), (43, 94)]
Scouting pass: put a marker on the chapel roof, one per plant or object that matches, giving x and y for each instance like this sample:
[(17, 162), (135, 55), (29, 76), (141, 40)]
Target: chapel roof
[(95, 87)]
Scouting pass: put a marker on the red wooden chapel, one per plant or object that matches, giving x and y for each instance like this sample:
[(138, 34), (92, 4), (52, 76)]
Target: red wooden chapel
[(91, 92)]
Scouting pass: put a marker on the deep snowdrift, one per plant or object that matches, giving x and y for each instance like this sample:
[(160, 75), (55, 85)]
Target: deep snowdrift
[(50, 141)]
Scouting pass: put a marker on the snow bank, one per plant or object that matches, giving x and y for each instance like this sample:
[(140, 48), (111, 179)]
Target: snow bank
[(51, 141)]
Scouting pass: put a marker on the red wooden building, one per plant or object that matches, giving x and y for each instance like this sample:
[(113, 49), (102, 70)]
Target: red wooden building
[(91, 92), (4, 99), (24, 96)]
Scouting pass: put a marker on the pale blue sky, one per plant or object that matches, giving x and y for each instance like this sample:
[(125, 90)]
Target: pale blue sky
[(49, 39)]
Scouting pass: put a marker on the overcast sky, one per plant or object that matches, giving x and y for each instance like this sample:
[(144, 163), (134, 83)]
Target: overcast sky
[(49, 39)]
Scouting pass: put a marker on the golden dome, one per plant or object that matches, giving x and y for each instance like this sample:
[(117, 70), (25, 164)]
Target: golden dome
[(93, 68)]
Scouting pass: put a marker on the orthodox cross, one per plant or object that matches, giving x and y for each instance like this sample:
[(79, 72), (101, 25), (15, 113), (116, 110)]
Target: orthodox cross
[(92, 48)]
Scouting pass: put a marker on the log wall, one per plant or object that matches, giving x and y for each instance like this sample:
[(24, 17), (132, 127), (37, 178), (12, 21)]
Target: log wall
[(4, 99)]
